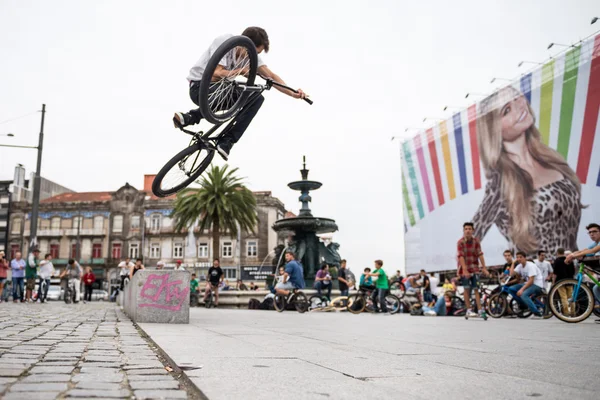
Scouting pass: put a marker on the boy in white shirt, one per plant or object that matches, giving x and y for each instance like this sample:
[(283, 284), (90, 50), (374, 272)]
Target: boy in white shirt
[(46, 272), (534, 281)]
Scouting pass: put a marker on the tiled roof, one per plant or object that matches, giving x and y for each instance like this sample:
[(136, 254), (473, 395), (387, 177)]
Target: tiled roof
[(290, 214), (79, 197)]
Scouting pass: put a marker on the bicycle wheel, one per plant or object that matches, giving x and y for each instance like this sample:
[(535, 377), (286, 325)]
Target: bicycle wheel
[(519, 308), (357, 304), (301, 302), (541, 302), (497, 305), (458, 305), (317, 302), (221, 99), (398, 289), (578, 311), (279, 302), (392, 302), (209, 301), (181, 170)]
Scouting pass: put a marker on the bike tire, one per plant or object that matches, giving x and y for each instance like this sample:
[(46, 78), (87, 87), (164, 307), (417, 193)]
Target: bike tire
[(200, 163), (458, 305), (497, 305), (210, 111), (279, 303), (398, 289), (301, 302), (585, 301), (392, 302), (209, 302), (356, 304), (522, 311)]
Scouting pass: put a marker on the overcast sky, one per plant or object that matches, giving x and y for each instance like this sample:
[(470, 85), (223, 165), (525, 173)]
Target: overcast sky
[(113, 72)]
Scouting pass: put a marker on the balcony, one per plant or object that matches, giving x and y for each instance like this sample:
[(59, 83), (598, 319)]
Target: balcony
[(83, 261), (46, 232), (85, 232)]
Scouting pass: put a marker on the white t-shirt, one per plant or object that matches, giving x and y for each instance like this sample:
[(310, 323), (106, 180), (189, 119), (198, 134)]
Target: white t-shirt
[(46, 269), (433, 284), (227, 61), (545, 267), (125, 268), (529, 270)]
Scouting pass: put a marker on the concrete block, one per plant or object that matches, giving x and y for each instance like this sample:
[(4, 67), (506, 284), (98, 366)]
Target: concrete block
[(158, 297)]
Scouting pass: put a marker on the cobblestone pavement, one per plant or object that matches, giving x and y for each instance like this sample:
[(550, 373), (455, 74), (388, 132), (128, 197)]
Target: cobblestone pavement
[(93, 350)]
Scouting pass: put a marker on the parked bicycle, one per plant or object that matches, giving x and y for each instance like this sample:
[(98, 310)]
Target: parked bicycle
[(362, 301)]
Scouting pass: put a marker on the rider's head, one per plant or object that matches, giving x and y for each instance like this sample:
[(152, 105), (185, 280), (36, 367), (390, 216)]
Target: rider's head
[(521, 257), (594, 232), (216, 262), (378, 264), (541, 255), (259, 37), (289, 256), (507, 256)]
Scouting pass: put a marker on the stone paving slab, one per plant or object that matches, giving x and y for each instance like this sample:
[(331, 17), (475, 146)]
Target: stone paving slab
[(90, 351)]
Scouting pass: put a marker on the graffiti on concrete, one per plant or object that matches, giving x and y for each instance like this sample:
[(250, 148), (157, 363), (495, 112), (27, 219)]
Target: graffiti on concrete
[(164, 294)]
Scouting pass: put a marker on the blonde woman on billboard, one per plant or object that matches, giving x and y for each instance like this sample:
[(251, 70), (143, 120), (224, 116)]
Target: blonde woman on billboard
[(532, 195)]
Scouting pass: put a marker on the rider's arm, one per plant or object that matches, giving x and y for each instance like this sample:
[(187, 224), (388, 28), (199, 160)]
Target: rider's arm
[(131, 272), (582, 253), (265, 72)]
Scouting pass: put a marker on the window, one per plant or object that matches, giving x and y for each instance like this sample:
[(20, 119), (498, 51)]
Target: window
[(54, 249), (155, 250), (178, 250), (16, 226), (155, 222), (2, 224), (55, 223), (74, 251), (117, 224), (3, 199), (14, 248), (252, 248), (135, 222), (97, 250), (203, 250), (226, 249), (230, 273), (116, 250), (134, 250), (77, 222), (98, 222)]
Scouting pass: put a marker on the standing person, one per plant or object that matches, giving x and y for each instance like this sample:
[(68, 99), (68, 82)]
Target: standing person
[(534, 281), (344, 283), (427, 295), (46, 272), (562, 271), (179, 266), (469, 255), (433, 284), (194, 290), (124, 272), (73, 273), (381, 283), (544, 266), (228, 68), (323, 281), (33, 262), (136, 267), (3, 273), (215, 277), (88, 281), (18, 275)]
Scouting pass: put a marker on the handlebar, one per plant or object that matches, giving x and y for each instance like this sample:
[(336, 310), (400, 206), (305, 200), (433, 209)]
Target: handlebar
[(271, 82)]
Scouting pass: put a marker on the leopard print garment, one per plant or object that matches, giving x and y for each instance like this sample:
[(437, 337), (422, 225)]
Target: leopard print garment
[(555, 220)]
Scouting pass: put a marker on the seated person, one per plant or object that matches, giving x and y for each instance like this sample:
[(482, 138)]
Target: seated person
[(366, 282), (441, 307), (534, 281)]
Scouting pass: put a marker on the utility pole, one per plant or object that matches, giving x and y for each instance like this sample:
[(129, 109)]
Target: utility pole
[(36, 185)]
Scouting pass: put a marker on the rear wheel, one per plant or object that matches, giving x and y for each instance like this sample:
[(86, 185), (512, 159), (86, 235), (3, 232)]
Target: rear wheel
[(301, 302), (181, 170), (392, 303), (279, 302), (576, 311), (496, 305), (357, 304), (221, 99)]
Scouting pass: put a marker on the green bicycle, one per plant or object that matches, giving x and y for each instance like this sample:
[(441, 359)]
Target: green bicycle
[(571, 300)]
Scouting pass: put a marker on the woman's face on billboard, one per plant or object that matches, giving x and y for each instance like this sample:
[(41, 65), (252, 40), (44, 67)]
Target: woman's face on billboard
[(514, 114)]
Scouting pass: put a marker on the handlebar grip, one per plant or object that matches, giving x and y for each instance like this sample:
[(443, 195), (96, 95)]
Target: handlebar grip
[(309, 101)]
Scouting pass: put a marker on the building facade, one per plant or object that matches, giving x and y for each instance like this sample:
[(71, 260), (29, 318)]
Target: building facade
[(5, 200), (103, 228)]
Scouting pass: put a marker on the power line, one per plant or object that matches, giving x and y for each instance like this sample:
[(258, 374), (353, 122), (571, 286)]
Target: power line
[(22, 116)]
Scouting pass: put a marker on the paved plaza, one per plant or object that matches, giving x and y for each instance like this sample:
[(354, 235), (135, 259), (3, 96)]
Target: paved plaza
[(55, 350), (266, 355)]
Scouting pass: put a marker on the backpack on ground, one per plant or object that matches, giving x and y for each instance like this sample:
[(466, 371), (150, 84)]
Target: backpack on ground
[(253, 304)]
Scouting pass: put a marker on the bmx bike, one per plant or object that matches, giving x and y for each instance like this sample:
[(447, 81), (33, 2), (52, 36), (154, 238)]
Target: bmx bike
[(295, 298), (220, 101)]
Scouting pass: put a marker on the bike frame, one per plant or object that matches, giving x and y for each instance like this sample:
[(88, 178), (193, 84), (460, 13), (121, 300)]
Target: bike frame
[(583, 269)]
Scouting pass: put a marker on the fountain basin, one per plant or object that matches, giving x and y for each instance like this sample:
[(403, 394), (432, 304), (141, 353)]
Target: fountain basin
[(304, 185), (306, 224)]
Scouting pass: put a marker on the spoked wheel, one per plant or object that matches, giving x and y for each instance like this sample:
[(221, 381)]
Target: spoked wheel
[(392, 303), (301, 302), (279, 302), (182, 169), (519, 309), (571, 312), (220, 98), (497, 306), (398, 289), (357, 304)]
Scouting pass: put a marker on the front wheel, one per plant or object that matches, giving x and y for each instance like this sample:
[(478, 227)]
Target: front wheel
[(182, 169), (569, 310), (392, 302), (356, 304), (301, 302), (497, 305), (279, 302)]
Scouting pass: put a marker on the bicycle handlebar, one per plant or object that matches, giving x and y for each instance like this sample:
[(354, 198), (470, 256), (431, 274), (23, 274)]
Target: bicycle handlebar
[(271, 82)]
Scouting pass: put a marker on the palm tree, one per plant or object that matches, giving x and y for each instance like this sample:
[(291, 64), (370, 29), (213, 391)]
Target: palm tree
[(221, 203)]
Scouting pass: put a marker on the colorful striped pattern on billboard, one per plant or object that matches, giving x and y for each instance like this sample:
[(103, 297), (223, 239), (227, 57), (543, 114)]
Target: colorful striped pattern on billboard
[(442, 163)]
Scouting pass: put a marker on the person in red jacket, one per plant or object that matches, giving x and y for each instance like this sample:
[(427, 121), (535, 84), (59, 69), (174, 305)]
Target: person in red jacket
[(88, 280)]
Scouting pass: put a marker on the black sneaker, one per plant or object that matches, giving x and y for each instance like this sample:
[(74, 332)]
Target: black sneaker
[(180, 120), (224, 148)]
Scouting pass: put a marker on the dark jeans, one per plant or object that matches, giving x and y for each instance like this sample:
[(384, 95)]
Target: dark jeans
[(87, 296), (322, 286), (242, 120), (427, 297), (43, 294), (381, 299), (18, 285)]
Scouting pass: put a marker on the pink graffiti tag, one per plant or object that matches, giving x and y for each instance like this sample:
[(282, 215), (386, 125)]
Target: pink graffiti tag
[(170, 289)]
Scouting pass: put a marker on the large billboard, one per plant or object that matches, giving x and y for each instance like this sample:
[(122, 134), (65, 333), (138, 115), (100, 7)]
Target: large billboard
[(523, 164)]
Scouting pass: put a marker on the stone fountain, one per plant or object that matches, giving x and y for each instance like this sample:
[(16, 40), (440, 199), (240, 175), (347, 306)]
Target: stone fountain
[(302, 231)]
